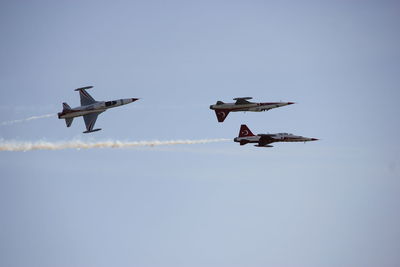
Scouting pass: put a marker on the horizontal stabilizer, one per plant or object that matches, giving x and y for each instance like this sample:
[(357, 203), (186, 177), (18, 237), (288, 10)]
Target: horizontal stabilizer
[(66, 106), (94, 130), (68, 121), (243, 142)]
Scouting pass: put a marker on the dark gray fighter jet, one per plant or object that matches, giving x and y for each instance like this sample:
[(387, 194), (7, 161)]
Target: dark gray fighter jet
[(89, 109)]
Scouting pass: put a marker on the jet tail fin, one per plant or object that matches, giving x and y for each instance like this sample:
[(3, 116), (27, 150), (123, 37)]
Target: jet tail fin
[(245, 131), (68, 121), (221, 114)]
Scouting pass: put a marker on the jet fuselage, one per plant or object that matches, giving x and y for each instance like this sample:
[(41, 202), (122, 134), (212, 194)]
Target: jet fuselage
[(263, 140), (254, 107), (242, 104), (97, 107), (278, 137)]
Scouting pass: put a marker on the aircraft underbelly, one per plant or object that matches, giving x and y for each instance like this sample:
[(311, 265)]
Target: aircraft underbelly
[(294, 140)]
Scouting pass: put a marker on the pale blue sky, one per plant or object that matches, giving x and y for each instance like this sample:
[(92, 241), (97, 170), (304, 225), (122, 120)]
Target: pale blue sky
[(327, 203)]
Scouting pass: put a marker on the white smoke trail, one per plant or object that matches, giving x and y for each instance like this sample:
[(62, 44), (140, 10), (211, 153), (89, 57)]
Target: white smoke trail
[(27, 119), (77, 144)]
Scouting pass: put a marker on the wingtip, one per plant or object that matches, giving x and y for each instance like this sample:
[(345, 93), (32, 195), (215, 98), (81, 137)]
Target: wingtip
[(92, 131), (81, 88)]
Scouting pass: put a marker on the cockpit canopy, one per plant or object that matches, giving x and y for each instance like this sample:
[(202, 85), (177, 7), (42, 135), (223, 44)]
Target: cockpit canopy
[(110, 103)]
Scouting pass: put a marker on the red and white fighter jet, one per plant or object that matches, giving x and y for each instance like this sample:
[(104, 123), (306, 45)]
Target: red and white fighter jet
[(222, 109), (264, 140)]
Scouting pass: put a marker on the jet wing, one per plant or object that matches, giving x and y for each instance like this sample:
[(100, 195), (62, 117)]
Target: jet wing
[(86, 99), (242, 100), (90, 120), (265, 139), (68, 121)]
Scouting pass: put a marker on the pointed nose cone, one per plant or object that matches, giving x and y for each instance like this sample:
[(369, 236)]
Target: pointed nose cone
[(314, 139), (291, 103), (128, 100)]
